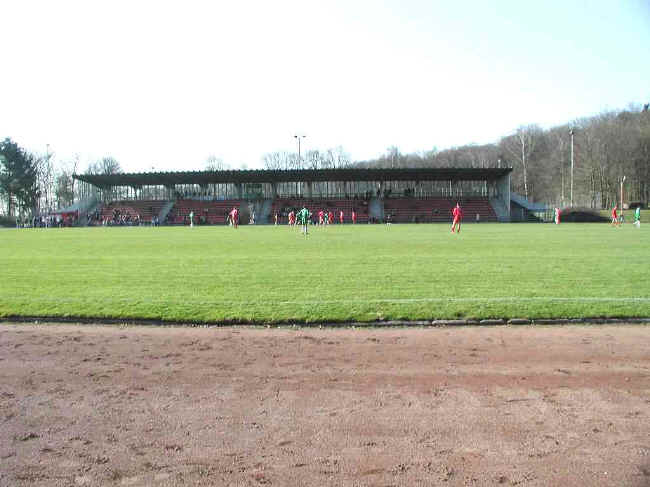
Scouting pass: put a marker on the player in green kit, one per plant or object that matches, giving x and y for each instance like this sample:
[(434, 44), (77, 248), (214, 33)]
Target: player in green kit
[(637, 217), (303, 219)]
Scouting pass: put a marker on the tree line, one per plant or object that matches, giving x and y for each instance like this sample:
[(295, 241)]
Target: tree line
[(333, 158), (31, 183), (609, 149)]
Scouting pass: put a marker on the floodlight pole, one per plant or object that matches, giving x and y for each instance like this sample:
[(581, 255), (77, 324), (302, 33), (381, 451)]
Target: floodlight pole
[(298, 137), (47, 161), (571, 134), (622, 181)]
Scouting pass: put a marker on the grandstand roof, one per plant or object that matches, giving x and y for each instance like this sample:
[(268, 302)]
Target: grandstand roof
[(292, 175)]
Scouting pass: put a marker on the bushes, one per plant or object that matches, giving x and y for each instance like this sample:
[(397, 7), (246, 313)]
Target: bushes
[(6, 221), (582, 215)]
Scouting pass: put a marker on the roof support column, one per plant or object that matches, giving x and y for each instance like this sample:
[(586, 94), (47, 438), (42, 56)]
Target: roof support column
[(503, 194), (239, 189), (308, 192)]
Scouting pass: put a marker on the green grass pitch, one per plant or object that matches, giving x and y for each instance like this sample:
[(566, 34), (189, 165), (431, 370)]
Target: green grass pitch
[(358, 273)]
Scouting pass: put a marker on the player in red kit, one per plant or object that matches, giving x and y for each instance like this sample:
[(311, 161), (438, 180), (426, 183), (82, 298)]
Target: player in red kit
[(341, 218), (330, 217), (615, 220), (458, 217), (354, 217), (234, 217), (321, 217), (292, 218)]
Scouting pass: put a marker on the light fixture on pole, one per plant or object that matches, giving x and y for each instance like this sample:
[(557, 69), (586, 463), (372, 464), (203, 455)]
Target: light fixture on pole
[(571, 134), (298, 137)]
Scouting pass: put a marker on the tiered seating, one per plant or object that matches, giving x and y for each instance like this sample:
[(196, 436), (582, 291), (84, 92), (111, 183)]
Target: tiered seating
[(482, 206), (284, 205), (131, 209), (205, 212), (412, 210)]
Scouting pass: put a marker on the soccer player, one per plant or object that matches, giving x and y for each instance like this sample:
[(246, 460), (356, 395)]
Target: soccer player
[(615, 216), (354, 217), (637, 217), (458, 217), (321, 217), (330, 217), (326, 218), (341, 217), (275, 218), (303, 219), (558, 213), (191, 219), (234, 216), (292, 218)]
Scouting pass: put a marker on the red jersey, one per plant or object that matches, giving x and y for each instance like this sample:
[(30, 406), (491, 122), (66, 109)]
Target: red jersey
[(330, 217), (457, 212), (614, 212), (234, 213), (341, 216)]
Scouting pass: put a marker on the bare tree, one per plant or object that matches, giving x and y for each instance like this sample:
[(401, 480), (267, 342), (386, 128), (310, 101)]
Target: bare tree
[(106, 165), (214, 163), (521, 147), (64, 183), (45, 179)]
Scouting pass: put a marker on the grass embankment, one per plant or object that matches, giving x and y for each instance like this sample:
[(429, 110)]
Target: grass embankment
[(365, 272)]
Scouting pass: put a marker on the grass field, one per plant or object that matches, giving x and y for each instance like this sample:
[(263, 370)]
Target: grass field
[(342, 273)]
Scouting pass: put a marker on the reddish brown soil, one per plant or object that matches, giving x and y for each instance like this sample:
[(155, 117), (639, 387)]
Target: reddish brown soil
[(108, 405)]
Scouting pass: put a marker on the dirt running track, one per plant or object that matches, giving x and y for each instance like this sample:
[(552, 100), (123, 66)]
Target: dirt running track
[(136, 406)]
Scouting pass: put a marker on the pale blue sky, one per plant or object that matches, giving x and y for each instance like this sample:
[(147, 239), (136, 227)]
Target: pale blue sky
[(164, 84)]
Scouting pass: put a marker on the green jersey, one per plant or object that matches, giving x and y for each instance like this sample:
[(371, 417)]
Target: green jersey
[(303, 216), (637, 213)]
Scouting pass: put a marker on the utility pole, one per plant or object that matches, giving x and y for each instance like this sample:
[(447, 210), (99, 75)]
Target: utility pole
[(622, 181), (562, 173), (298, 137), (47, 168), (571, 134)]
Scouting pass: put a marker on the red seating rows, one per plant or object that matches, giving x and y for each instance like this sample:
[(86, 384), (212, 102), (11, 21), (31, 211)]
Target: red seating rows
[(146, 209), (409, 210), (284, 205), (209, 212)]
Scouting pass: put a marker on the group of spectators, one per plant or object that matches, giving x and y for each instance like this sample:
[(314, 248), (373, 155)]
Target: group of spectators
[(57, 220)]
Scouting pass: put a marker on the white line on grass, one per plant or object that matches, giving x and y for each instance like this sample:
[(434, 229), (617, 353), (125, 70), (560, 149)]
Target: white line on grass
[(505, 299)]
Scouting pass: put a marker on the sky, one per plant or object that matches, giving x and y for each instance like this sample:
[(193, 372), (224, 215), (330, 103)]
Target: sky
[(163, 85)]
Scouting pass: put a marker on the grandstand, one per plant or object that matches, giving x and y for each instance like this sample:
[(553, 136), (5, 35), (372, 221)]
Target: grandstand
[(407, 195)]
